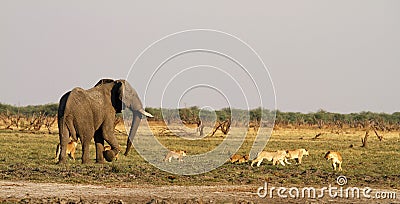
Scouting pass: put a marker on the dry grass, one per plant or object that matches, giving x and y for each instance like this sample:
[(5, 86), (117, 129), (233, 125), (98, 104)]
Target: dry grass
[(28, 156)]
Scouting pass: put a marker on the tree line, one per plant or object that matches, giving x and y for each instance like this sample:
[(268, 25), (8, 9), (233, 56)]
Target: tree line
[(28, 118), (194, 115), (48, 109)]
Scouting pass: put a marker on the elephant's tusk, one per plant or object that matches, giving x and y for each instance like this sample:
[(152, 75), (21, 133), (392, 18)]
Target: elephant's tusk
[(146, 113)]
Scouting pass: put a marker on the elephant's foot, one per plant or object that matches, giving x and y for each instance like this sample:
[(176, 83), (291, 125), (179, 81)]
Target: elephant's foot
[(100, 162), (61, 162), (109, 155), (86, 161)]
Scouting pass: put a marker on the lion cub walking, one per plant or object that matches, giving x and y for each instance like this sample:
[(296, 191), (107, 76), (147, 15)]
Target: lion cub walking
[(176, 155), (296, 154), (336, 158), (275, 157), (71, 147)]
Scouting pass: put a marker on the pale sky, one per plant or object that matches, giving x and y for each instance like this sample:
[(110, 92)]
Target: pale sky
[(341, 56)]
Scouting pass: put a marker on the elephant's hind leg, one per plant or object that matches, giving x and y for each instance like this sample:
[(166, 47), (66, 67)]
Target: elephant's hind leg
[(85, 153), (99, 142), (86, 139)]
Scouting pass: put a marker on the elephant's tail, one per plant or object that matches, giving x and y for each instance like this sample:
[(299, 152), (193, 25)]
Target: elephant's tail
[(58, 151), (62, 127)]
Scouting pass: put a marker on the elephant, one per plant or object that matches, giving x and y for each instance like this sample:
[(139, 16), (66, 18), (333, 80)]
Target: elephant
[(88, 114)]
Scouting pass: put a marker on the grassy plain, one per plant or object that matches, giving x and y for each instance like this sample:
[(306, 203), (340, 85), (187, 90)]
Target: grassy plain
[(30, 157)]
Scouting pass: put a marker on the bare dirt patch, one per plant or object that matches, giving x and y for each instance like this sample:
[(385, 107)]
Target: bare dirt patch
[(29, 192), (21, 191)]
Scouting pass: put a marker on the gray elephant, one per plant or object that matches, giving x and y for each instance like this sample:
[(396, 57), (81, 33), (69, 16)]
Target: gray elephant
[(88, 114)]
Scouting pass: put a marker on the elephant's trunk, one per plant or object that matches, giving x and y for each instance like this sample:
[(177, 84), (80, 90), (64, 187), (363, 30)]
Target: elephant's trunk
[(137, 116)]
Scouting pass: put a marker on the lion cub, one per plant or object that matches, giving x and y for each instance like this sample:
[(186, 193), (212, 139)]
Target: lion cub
[(275, 157), (296, 154), (336, 158), (239, 158), (109, 148), (71, 147), (176, 155)]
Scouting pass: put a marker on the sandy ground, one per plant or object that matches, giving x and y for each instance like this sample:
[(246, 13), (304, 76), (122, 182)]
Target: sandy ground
[(29, 192), (54, 192)]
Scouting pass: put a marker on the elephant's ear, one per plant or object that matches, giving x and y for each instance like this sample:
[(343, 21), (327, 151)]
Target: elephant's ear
[(116, 95), (104, 81), (129, 96), (121, 86)]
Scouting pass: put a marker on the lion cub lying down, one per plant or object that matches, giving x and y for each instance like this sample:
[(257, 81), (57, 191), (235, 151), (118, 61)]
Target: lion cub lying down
[(296, 154), (275, 157), (71, 147), (239, 158), (336, 158), (176, 155)]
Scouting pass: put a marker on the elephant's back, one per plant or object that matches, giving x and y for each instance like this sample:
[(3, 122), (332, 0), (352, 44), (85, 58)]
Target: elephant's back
[(78, 102)]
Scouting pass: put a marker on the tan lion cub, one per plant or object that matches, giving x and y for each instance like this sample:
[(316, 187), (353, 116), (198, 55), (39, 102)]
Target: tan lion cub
[(296, 154), (176, 155), (71, 147), (275, 157), (109, 148), (336, 158), (239, 158)]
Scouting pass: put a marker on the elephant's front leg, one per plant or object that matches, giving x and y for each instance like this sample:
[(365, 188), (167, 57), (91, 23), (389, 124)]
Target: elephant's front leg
[(99, 142), (109, 137)]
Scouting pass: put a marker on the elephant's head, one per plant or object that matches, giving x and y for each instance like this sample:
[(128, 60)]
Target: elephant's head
[(122, 93)]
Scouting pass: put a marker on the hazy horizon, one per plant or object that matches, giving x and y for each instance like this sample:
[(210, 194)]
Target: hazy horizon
[(341, 56), (320, 109)]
